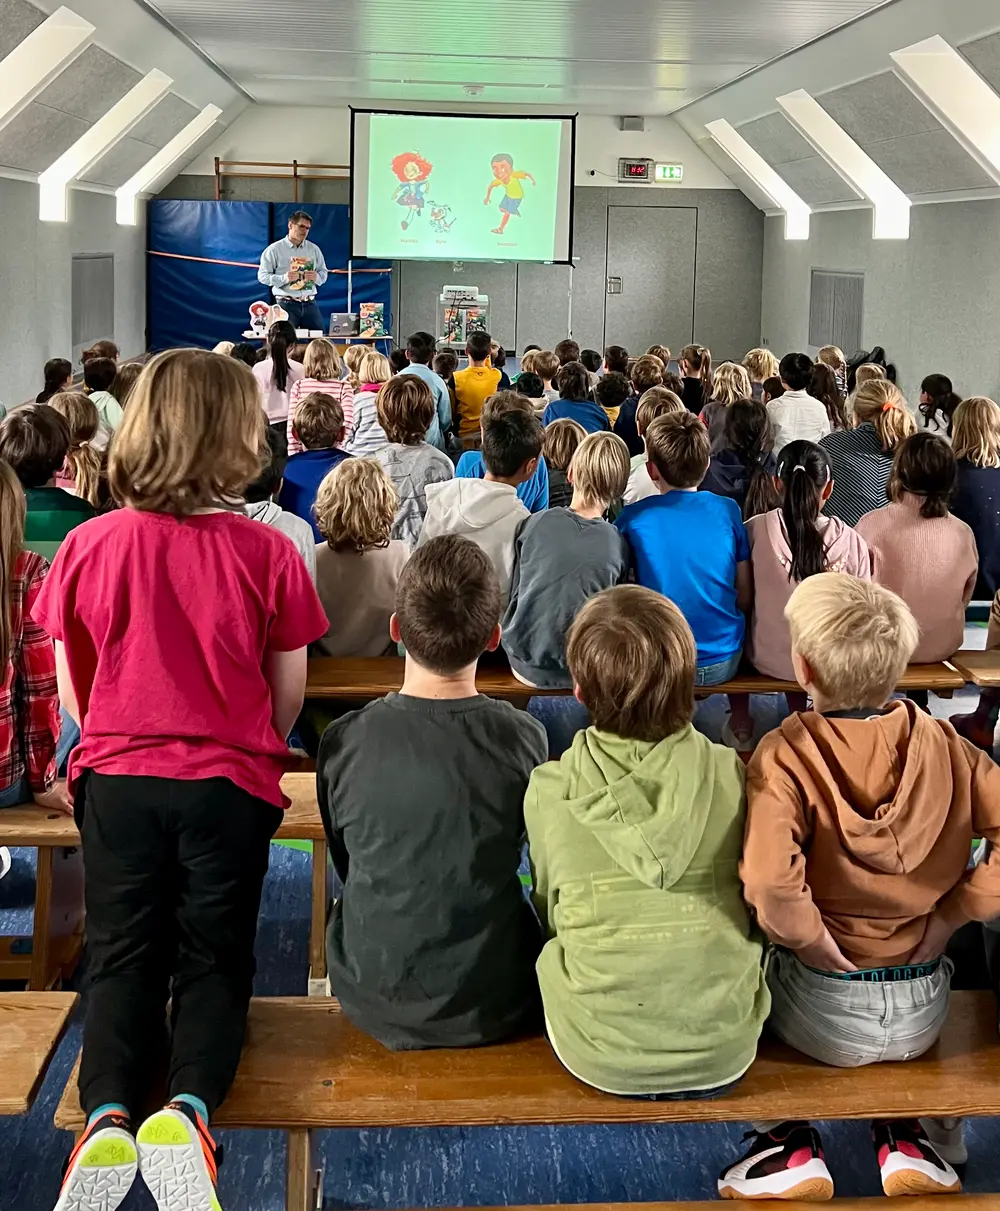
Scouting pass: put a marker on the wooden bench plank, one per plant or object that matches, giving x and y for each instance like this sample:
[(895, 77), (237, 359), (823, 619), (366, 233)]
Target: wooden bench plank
[(981, 668), (32, 1025), (926, 1202), (305, 1065)]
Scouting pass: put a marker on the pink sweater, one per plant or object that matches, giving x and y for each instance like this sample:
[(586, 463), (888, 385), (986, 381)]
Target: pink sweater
[(273, 401), (341, 391), (769, 645), (931, 563)]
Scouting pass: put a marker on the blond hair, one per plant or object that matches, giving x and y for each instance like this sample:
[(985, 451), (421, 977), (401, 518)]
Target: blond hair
[(881, 403), (833, 357), (975, 429), (224, 347), (528, 361), (560, 442), (83, 460), (634, 659), (322, 361), (869, 372), (731, 382), (352, 360), (657, 401), (600, 469), (12, 513), (356, 505), (191, 435), (760, 364), (856, 636), (374, 367)]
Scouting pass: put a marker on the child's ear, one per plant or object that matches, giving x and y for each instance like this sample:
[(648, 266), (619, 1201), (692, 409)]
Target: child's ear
[(578, 694), (569, 473), (803, 670), (530, 467), (491, 644), (779, 485), (654, 475), (824, 496), (394, 634)]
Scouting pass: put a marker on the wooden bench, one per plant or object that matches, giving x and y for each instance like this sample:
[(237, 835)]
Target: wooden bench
[(361, 680), (981, 668), (32, 1025), (956, 1202), (53, 950), (306, 1067)]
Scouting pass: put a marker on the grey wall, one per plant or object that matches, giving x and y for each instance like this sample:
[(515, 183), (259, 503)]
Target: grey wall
[(37, 275), (933, 300)]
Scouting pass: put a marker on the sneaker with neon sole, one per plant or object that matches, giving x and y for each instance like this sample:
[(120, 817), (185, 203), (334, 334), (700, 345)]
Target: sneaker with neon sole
[(179, 1160), (101, 1168), (909, 1163), (786, 1162)]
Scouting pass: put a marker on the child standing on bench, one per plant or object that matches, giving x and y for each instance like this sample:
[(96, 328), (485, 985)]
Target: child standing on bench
[(432, 943), (181, 629), (861, 816)]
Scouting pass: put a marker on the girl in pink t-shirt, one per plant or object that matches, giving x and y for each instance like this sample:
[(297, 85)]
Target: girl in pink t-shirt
[(181, 630)]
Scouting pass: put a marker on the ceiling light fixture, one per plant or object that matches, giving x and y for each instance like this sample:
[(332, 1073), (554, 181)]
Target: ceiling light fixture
[(751, 162)]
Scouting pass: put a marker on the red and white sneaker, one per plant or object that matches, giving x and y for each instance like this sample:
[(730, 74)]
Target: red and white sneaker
[(101, 1168), (786, 1162), (908, 1162), (179, 1160)]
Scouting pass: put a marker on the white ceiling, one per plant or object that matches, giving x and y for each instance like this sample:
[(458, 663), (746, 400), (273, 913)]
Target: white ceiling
[(625, 57)]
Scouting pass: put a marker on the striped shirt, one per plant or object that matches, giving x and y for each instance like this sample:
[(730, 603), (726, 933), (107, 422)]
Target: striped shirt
[(861, 470), (341, 391)]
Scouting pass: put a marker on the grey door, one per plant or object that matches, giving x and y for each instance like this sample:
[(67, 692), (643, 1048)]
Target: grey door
[(651, 255)]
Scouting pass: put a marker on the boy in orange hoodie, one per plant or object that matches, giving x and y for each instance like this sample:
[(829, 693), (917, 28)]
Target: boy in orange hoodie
[(860, 820)]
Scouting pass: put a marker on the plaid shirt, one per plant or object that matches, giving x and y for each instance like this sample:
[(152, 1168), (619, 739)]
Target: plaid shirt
[(29, 699)]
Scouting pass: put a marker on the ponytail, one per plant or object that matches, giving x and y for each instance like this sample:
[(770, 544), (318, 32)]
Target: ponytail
[(57, 371), (84, 465), (941, 403), (280, 339), (83, 460), (748, 433), (699, 359), (804, 470)]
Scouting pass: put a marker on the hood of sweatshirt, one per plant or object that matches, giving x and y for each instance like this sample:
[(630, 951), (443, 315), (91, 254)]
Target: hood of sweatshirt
[(647, 804), (874, 773), (839, 541), (264, 510), (462, 506)]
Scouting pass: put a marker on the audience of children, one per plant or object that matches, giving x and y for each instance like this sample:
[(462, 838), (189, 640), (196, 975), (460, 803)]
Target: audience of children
[(322, 371), (646, 373), (731, 383), (534, 493), (976, 500), (365, 434), (938, 402), (795, 415), (277, 374), (576, 400), (319, 426), (34, 442), (80, 474), (58, 375), (99, 374), (473, 387), (611, 391), (260, 501), (657, 401), (420, 348), (405, 412), (760, 365), (743, 463), (695, 363), (559, 443), (358, 564)]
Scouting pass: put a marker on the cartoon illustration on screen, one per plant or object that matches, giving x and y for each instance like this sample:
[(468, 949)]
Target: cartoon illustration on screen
[(504, 174), (442, 219), (412, 171)]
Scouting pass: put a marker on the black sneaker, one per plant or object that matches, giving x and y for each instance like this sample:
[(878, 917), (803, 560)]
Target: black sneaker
[(908, 1162), (786, 1162)]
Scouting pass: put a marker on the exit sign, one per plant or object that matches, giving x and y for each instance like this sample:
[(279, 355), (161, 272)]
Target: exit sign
[(671, 173)]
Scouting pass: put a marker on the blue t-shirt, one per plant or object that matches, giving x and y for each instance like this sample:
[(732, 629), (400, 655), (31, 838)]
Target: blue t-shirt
[(533, 493), (592, 416), (303, 475), (442, 402), (686, 545)]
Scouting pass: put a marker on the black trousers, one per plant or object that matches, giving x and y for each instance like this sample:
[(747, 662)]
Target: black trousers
[(173, 874)]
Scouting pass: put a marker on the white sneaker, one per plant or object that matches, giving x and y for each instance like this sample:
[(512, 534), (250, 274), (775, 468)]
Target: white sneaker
[(5, 861)]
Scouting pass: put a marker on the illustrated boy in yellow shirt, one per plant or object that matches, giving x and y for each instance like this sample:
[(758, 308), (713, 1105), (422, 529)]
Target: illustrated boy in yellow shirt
[(504, 174)]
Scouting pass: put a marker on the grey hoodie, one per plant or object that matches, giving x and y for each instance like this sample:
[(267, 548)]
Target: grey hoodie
[(298, 530), (411, 469)]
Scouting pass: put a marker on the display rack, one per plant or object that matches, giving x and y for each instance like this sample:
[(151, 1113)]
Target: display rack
[(462, 310)]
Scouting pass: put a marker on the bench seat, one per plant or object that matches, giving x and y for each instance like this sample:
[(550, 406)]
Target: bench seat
[(981, 668), (32, 1025)]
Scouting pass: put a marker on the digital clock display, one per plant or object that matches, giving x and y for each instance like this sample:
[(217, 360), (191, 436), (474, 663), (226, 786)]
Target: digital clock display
[(635, 170)]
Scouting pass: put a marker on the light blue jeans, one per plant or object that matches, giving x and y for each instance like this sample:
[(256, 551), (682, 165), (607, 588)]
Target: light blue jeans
[(722, 670)]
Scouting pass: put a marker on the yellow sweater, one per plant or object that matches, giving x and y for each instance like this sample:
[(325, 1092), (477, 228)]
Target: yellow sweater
[(473, 387)]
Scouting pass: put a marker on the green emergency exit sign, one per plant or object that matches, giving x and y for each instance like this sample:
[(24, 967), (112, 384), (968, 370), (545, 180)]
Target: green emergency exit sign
[(670, 173)]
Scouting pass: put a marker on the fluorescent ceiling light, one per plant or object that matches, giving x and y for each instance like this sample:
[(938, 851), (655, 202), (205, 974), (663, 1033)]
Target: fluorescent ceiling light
[(54, 182), (153, 171), (956, 94), (859, 170), (36, 61), (764, 177)]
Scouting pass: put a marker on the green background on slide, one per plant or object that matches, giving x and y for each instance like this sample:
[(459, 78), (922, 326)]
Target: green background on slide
[(460, 150)]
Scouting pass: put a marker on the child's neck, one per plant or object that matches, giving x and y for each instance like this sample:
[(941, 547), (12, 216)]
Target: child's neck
[(825, 706), (477, 365), (663, 488), (512, 481), (582, 508), (419, 682)]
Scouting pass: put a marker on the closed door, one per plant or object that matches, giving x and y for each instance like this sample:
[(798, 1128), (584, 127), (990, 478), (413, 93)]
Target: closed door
[(650, 286)]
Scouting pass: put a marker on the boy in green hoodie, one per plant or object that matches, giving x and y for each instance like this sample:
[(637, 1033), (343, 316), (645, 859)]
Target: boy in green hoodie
[(651, 978)]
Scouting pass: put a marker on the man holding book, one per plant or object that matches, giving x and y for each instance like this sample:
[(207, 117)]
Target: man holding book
[(294, 269)]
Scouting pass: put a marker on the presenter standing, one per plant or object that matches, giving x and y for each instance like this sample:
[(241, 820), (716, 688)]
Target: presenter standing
[(294, 269)]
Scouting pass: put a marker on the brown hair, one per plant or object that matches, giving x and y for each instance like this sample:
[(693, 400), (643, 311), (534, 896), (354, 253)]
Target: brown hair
[(447, 603), (546, 365), (356, 505), (504, 401), (445, 363), (191, 435), (924, 466), (634, 659), (615, 359), (12, 511), (600, 469), (319, 420), (405, 408), (732, 382), (760, 364), (567, 351), (560, 442), (83, 460), (975, 428), (881, 404), (573, 382), (100, 349), (823, 386), (34, 440), (660, 351), (678, 447), (99, 374), (125, 381), (322, 361), (657, 401), (699, 361), (647, 372)]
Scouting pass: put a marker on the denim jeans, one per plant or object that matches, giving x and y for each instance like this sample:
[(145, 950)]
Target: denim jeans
[(302, 313), (562, 717), (722, 670)]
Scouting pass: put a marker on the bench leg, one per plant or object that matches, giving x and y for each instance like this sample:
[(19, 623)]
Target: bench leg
[(317, 921), (304, 1191), (57, 932)]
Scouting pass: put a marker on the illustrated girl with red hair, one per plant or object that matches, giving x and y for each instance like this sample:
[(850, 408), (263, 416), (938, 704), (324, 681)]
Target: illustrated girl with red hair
[(412, 170)]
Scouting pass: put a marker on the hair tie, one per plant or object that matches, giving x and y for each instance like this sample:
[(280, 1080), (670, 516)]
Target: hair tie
[(797, 467), (888, 406)]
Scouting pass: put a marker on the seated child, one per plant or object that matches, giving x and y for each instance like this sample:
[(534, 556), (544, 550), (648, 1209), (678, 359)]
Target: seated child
[(546, 365), (433, 945), (567, 351), (611, 391), (397, 359), (534, 492), (616, 360), (563, 557), (860, 820), (80, 474), (364, 434), (487, 510), (419, 351), (635, 837), (34, 440), (531, 387), (259, 502), (645, 373), (743, 466), (473, 387), (358, 563), (559, 444), (657, 401), (592, 362), (576, 400), (99, 374), (319, 426), (324, 372), (498, 359), (405, 411)]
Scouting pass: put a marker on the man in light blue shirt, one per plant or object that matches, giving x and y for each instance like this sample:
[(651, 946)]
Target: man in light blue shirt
[(419, 351), (294, 269)]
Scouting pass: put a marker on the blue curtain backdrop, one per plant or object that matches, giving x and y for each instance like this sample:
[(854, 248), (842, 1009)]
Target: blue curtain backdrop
[(199, 302)]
